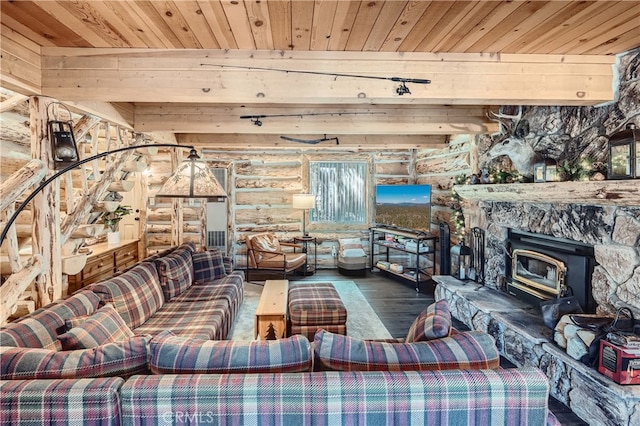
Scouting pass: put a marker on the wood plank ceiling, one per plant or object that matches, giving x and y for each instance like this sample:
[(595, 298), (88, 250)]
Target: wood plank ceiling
[(148, 59)]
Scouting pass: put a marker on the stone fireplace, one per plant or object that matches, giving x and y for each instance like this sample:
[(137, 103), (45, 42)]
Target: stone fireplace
[(603, 216), (609, 226), (612, 231)]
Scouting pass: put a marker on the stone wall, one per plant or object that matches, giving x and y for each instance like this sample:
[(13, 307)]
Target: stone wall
[(571, 134)]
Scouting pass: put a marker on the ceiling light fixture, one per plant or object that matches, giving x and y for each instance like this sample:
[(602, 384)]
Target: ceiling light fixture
[(400, 90)]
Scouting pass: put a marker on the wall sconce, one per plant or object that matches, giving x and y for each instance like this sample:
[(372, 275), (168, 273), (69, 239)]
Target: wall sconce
[(63, 143), (304, 202), (624, 154)]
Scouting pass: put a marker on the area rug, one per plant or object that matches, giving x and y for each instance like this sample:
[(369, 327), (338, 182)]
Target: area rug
[(362, 321)]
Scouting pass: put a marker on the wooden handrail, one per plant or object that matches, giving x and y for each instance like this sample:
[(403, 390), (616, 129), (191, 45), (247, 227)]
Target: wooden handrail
[(28, 175)]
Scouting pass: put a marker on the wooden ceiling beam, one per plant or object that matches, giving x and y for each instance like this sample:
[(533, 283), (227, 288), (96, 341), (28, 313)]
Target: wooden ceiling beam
[(19, 63), (246, 141), (117, 113), (373, 119), (195, 76)]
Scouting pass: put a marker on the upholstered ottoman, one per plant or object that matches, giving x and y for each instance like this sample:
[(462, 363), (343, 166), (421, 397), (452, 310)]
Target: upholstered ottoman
[(314, 306)]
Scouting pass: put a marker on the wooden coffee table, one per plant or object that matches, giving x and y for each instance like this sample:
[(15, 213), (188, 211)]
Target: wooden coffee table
[(271, 313)]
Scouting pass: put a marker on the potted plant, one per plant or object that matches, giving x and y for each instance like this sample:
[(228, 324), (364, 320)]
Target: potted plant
[(112, 219)]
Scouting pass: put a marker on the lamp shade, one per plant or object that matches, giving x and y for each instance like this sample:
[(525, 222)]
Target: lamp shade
[(304, 201), (193, 179)]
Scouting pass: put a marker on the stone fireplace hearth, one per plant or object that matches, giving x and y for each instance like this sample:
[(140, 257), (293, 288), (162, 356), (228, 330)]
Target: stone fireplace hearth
[(523, 339)]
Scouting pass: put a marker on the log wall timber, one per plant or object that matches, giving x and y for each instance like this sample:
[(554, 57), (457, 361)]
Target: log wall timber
[(15, 137), (263, 181), (439, 167)]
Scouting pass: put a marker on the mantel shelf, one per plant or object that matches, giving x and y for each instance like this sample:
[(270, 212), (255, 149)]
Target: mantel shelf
[(600, 193)]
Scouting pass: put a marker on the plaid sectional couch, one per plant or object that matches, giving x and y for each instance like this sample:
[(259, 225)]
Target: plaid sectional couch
[(169, 364)]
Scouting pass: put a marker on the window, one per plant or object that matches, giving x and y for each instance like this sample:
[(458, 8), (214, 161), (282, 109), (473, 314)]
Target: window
[(341, 192)]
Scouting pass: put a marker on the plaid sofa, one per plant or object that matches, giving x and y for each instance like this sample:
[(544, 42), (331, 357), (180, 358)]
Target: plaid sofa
[(194, 294), (454, 397), (185, 377)]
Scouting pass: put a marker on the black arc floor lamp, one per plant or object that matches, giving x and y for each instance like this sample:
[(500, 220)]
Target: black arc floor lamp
[(192, 179)]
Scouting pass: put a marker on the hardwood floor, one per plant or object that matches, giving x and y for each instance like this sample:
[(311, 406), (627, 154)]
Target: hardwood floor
[(398, 304)]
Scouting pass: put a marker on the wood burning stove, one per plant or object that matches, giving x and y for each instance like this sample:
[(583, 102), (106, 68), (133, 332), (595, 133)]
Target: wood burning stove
[(540, 267), (537, 274)]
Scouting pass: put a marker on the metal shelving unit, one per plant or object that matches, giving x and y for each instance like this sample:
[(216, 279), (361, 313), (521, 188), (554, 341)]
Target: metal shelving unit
[(415, 251)]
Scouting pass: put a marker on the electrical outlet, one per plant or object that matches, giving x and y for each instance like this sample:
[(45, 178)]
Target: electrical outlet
[(334, 252)]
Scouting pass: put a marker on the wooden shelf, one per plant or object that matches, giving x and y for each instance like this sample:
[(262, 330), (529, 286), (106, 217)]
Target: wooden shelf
[(604, 193)]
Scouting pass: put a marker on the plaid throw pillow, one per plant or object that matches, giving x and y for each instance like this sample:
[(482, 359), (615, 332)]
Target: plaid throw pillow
[(208, 266), (136, 295), (432, 323), (176, 272), (69, 323), (40, 329), (123, 359), (171, 354), (105, 326)]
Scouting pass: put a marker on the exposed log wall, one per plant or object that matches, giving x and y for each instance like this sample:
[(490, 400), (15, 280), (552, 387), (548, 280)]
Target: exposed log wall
[(262, 183)]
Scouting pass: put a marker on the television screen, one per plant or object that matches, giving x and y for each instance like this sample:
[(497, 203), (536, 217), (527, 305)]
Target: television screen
[(404, 206)]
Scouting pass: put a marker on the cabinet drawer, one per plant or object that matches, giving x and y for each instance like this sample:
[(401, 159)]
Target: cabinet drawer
[(99, 265), (126, 256)]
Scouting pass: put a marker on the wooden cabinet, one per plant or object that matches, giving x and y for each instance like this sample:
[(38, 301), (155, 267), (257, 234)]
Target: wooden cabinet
[(104, 261)]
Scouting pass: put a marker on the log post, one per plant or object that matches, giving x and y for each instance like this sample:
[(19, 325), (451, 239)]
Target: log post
[(45, 206), (176, 207)]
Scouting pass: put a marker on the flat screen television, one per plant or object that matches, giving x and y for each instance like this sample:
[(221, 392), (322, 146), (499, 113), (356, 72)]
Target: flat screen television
[(404, 206)]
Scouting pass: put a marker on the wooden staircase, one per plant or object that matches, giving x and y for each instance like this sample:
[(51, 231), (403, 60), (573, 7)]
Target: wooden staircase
[(44, 245)]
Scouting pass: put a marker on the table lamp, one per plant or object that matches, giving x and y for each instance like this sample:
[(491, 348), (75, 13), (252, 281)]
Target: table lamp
[(304, 202)]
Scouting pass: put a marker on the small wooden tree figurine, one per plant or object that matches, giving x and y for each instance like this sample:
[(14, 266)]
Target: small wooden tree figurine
[(271, 333)]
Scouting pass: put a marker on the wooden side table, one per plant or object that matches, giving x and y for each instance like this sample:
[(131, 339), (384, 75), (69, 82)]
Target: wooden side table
[(271, 313)]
